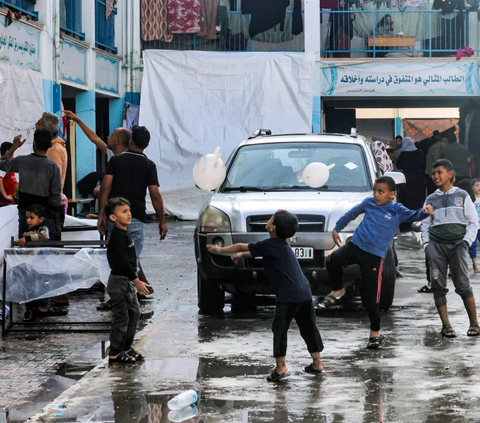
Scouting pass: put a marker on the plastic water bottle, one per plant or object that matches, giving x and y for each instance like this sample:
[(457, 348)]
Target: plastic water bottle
[(184, 414), (183, 400), (7, 313)]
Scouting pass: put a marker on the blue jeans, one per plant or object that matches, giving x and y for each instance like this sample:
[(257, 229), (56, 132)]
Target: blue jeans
[(472, 250)]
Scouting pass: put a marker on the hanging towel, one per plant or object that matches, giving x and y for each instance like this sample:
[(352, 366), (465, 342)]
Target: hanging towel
[(154, 21), (184, 16), (208, 19), (267, 14)]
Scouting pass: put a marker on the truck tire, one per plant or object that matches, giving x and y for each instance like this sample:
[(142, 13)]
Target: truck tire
[(211, 298), (388, 281)]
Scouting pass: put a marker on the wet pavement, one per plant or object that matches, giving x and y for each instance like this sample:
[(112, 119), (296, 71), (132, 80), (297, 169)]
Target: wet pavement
[(417, 377)]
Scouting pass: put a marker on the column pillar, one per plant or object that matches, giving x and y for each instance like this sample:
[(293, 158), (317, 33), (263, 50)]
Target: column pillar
[(85, 157)]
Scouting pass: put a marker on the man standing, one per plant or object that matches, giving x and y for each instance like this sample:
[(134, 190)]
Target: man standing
[(39, 179), (128, 176), (459, 156), (116, 143)]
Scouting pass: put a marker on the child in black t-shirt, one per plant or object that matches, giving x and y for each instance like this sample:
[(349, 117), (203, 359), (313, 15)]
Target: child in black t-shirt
[(122, 283), (291, 287)]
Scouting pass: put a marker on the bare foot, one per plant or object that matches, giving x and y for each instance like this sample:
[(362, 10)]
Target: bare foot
[(477, 270)]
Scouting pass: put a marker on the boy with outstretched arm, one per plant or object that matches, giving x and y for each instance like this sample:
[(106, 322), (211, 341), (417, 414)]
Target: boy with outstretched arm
[(123, 283), (447, 234), (368, 248), (291, 287)]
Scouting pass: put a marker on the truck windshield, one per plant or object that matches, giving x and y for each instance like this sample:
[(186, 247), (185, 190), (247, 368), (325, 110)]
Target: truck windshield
[(279, 166)]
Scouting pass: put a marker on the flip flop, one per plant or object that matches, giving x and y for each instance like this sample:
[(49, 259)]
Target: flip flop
[(425, 289), (375, 342), (329, 301), (274, 376), (475, 329), (448, 332), (122, 357), (136, 355), (312, 371)]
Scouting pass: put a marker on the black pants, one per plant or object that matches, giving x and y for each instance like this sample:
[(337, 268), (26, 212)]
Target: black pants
[(304, 315), (371, 267), (126, 312)]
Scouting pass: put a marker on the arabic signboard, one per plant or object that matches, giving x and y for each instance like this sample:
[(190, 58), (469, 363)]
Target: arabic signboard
[(20, 45), (401, 79)]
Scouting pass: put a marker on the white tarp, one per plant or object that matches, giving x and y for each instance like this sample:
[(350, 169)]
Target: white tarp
[(194, 101), (21, 103)]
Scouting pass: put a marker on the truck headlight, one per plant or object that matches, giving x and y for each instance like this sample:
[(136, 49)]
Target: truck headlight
[(213, 220)]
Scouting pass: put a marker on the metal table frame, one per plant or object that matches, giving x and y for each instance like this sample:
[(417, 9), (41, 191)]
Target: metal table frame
[(34, 326)]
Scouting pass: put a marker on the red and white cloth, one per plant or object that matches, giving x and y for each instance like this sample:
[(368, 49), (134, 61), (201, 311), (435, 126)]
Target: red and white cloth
[(184, 16)]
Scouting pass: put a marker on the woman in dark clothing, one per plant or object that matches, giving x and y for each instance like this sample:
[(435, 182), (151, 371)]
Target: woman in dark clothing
[(412, 163), (341, 29)]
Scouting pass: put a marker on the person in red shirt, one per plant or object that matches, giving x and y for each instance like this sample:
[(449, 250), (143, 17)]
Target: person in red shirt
[(8, 181)]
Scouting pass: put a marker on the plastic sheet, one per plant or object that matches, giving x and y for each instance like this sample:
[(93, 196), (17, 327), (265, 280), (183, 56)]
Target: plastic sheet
[(34, 273), (217, 99)]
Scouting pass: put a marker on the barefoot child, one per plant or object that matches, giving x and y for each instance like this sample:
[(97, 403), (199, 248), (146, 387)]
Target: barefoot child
[(291, 287), (369, 245), (123, 284), (472, 251), (447, 234)]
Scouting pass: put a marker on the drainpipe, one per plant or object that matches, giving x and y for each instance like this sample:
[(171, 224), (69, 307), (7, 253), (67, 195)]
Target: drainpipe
[(57, 88), (127, 57), (132, 46)]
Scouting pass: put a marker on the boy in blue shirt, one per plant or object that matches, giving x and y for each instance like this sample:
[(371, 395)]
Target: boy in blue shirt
[(368, 248), (291, 287)]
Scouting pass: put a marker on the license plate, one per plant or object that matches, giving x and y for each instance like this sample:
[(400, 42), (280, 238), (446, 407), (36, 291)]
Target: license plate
[(302, 253)]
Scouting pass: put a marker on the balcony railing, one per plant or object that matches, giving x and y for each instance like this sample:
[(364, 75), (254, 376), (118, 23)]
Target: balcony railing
[(27, 7), (104, 28), (71, 18), (395, 33), (236, 38)]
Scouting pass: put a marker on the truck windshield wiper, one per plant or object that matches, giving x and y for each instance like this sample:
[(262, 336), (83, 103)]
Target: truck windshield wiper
[(243, 189), (306, 187)]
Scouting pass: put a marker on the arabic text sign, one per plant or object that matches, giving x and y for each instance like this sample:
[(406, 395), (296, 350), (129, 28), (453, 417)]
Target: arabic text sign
[(401, 79), (20, 45)]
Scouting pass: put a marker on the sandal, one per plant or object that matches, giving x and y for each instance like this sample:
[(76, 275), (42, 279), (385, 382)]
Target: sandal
[(448, 332), (329, 301), (375, 342), (136, 355), (29, 316), (475, 329), (52, 311), (274, 376), (425, 289), (311, 370), (121, 357)]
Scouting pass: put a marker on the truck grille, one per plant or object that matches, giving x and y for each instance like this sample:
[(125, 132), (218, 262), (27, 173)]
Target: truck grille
[(306, 223)]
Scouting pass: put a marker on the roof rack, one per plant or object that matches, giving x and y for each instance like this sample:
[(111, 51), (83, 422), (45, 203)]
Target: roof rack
[(259, 132), (354, 133)]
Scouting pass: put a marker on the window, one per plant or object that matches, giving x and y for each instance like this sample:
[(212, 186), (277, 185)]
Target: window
[(27, 7), (279, 167), (104, 28), (71, 18)]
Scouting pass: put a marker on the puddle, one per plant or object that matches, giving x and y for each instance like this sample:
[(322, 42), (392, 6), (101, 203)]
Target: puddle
[(49, 390), (173, 369)]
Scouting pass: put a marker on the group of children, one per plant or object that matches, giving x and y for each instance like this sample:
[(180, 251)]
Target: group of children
[(449, 227)]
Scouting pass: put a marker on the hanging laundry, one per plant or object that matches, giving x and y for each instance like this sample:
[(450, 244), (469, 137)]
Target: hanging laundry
[(208, 19), (154, 22), (267, 14), (184, 16), (109, 6)]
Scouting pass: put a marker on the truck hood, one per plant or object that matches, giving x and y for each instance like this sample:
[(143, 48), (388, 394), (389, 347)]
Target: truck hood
[(332, 205)]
